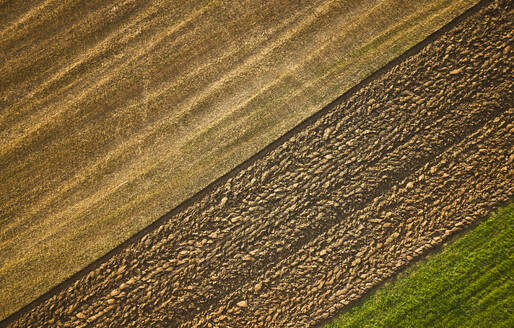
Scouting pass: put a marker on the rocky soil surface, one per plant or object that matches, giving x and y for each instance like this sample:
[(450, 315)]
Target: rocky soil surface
[(385, 174)]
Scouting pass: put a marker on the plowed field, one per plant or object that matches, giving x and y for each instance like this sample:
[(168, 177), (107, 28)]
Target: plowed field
[(333, 208)]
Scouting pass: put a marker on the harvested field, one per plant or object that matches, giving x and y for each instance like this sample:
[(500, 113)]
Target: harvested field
[(114, 112), (341, 203)]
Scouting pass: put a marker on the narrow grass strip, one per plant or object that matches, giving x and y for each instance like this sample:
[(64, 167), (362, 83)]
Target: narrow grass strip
[(467, 284)]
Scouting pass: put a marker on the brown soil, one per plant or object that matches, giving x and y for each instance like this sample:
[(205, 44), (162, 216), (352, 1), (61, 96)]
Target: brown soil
[(384, 174)]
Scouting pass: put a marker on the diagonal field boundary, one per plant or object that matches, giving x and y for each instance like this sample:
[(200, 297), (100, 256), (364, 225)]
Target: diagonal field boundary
[(221, 181)]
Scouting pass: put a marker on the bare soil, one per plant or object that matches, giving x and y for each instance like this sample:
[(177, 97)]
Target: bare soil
[(381, 176)]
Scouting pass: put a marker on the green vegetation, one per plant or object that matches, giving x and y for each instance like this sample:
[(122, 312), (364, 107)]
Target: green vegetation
[(468, 284)]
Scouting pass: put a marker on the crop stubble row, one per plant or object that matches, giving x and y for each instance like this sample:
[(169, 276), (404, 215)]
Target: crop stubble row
[(385, 174)]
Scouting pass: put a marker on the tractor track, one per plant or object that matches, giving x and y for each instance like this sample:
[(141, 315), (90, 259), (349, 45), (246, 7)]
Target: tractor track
[(382, 175)]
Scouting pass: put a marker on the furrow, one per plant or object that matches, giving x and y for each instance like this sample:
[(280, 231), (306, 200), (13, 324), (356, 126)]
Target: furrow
[(371, 244)]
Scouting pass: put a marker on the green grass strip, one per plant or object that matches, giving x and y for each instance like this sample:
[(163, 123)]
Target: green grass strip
[(467, 284)]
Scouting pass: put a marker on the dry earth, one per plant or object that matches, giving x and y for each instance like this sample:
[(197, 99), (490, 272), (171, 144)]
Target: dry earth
[(381, 176), (113, 112)]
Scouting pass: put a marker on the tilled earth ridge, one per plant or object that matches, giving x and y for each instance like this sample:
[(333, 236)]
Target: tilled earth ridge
[(415, 155), (340, 265)]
